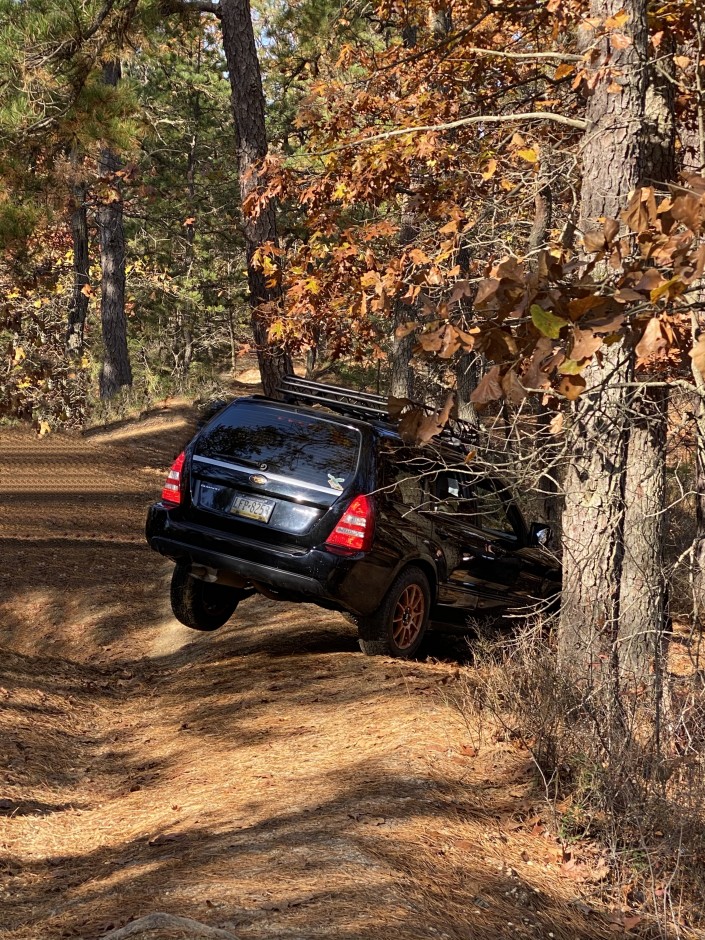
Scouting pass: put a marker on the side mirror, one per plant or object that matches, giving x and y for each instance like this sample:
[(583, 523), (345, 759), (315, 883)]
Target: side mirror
[(539, 534)]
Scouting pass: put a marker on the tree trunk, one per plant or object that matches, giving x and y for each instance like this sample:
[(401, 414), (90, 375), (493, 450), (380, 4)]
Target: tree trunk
[(593, 518), (78, 305), (698, 559), (468, 372), (259, 229), (115, 371), (643, 589)]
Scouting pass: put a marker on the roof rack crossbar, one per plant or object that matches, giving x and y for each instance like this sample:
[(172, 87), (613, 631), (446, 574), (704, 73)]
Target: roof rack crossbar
[(295, 384)]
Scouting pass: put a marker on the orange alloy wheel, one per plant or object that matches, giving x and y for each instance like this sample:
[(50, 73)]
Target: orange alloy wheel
[(408, 616)]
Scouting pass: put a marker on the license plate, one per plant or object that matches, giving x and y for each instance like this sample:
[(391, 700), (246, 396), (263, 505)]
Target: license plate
[(252, 507)]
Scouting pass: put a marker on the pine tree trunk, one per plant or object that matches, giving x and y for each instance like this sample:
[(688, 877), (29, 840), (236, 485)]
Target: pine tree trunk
[(251, 135), (115, 371), (593, 518), (643, 589), (78, 306)]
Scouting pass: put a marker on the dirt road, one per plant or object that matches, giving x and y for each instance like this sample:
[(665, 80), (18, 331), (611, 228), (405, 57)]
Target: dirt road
[(267, 779)]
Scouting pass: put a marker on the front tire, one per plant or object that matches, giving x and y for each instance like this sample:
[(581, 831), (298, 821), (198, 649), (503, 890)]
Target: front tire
[(399, 625), (198, 604)]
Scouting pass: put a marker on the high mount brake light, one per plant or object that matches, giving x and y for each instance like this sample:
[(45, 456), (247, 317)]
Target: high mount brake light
[(355, 530), (172, 488)]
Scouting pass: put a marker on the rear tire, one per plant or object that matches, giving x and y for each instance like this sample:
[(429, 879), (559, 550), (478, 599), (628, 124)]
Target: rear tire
[(397, 628), (199, 604)]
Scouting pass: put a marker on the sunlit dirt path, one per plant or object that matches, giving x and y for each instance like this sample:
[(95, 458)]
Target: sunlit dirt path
[(266, 779)]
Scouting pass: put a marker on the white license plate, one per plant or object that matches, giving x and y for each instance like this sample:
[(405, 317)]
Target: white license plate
[(252, 507)]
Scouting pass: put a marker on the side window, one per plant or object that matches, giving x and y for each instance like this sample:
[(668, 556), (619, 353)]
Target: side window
[(402, 479), (492, 510), (449, 494)]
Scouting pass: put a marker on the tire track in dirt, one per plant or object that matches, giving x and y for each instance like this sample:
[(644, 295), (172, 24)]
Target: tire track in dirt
[(267, 778)]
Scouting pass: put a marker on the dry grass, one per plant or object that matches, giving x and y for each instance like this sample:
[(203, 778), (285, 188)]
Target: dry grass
[(267, 779)]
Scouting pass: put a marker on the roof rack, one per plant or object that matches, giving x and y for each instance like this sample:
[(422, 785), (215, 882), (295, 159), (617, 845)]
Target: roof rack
[(364, 405), (343, 400)]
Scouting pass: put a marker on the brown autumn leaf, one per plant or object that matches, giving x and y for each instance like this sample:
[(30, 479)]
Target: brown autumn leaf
[(490, 170), (395, 406), (536, 376), (690, 211), (563, 70), (697, 354), (498, 345), (626, 295), (585, 344), (513, 390), (654, 342), (609, 323), (486, 291), (409, 425), (450, 342), (87, 290), (594, 241), (461, 289), (405, 329), (620, 41), (610, 229), (581, 305), (649, 280), (431, 425), (488, 389), (636, 215), (572, 386)]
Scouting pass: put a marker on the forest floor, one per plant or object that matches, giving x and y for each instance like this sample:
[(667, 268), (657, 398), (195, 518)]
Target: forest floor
[(267, 779)]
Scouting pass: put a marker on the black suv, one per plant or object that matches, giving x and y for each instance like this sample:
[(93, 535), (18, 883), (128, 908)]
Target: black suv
[(317, 498)]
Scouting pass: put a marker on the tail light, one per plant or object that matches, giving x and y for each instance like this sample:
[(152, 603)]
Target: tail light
[(355, 530), (172, 488)]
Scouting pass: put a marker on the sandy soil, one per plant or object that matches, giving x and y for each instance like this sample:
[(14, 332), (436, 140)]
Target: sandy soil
[(267, 779)]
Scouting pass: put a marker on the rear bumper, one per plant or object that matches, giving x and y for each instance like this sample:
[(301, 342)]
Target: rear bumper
[(348, 582), (252, 571)]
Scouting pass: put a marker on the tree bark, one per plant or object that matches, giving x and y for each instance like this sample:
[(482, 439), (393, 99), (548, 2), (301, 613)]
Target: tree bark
[(401, 377), (78, 305), (115, 371), (643, 589), (468, 371), (643, 622), (259, 228), (593, 518)]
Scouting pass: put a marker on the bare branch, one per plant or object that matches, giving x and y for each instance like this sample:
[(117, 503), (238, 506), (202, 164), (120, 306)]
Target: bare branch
[(556, 56), (461, 122), (202, 6)]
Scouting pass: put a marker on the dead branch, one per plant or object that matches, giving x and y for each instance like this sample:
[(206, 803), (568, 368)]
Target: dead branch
[(158, 921), (578, 123)]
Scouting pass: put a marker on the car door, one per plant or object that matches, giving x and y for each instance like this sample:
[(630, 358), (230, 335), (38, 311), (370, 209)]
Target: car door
[(478, 518)]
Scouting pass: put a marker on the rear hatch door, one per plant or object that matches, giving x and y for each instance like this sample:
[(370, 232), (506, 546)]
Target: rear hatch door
[(272, 472)]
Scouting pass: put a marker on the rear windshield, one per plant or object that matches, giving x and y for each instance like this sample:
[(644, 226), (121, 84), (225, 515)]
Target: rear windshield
[(313, 450)]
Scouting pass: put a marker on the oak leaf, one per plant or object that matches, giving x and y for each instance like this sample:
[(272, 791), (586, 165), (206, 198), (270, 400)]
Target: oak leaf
[(490, 170), (697, 354), (513, 390), (546, 322), (654, 342), (488, 389), (585, 344), (572, 386)]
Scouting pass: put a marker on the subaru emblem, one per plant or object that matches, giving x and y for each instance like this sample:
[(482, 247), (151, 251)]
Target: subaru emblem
[(258, 479)]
